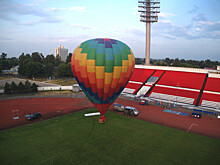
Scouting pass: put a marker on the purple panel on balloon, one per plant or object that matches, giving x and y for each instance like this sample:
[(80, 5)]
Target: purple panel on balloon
[(100, 40), (113, 41), (108, 44)]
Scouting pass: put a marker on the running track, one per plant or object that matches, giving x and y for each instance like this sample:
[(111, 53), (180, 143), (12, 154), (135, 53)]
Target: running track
[(52, 107)]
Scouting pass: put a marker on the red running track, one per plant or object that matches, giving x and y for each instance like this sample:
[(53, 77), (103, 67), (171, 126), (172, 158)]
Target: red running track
[(48, 107), (51, 107)]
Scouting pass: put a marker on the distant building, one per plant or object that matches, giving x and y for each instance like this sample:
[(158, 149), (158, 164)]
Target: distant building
[(61, 52), (12, 71)]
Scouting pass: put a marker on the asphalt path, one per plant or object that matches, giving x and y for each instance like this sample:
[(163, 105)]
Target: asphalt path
[(17, 81)]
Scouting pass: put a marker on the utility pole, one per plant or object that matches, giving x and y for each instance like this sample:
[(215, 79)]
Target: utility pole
[(148, 10)]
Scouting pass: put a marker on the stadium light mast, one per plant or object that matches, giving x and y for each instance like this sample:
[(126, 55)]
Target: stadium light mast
[(148, 10)]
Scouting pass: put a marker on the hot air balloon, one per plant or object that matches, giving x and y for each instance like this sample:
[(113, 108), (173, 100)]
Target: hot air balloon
[(102, 68)]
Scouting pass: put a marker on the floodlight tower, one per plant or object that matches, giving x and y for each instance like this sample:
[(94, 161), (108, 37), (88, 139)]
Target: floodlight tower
[(148, 10)]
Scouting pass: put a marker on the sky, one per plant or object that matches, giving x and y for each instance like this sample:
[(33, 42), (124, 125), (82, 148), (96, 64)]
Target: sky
[(186, 29)]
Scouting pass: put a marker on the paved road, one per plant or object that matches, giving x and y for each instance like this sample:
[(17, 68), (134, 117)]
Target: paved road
[(17, 80)]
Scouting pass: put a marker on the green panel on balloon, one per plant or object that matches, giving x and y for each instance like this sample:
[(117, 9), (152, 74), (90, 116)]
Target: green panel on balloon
[(85, 48), (124, 54), (109, 66), (83, 44), (100, 60), (118, 60), (91, 54)]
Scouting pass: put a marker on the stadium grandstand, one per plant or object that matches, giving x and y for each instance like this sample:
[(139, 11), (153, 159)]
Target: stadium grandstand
[(191, 87)]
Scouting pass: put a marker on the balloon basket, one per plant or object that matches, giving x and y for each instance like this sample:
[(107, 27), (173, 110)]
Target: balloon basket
[(102, 120)]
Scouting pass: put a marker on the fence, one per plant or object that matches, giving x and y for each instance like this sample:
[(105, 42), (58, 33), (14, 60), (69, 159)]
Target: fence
[(45, 94)]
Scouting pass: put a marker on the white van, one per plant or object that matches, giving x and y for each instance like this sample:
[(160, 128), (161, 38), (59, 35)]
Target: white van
[(118, 107), (131, 111)]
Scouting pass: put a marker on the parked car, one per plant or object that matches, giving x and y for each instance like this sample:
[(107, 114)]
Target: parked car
[(118, 107), (131, 111), (34, 116), (143, 102)]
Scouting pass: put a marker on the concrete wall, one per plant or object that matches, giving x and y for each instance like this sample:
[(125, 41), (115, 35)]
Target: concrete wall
[(56, 88)]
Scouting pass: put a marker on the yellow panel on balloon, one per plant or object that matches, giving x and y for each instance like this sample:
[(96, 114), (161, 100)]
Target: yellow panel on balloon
[(100, 72), (117, 71), (130, 60), (124, 65), (108, 78), (78, 51), (83, 59), (90, 62), (90, 66)]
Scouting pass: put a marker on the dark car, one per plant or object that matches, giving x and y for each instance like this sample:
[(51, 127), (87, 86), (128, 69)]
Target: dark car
[(131, 111), (196, 115), (34, 116)]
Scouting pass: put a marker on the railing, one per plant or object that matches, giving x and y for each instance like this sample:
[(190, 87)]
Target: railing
[(173, 68), (174, 105)]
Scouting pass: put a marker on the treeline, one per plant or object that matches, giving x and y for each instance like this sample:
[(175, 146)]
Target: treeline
[(13, 88), (7, 63), (180, 63), (36, 65)]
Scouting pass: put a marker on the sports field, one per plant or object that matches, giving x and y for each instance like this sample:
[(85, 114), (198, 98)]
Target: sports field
[(75, 139)]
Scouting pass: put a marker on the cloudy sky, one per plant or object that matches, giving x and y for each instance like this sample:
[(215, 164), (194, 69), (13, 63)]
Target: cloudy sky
[(188, 29)]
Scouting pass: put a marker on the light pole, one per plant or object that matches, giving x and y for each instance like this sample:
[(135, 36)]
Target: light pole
[(149, 10)]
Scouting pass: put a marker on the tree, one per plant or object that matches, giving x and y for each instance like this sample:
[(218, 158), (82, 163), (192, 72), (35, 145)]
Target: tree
[(13, 62), (49, 70), (27, 87), (7, 88), (23, 60), (168, 61), (21, 87), (68, 59), (50, 59), (4, 62), (34, 87), (201, 64), (58, 60), (183, 61), (34, 69), (176, 62), (3, 56), (61, 70), (64, 70), (139, 60), (37, 57), (69, 72), (14, 87), (208, 63)]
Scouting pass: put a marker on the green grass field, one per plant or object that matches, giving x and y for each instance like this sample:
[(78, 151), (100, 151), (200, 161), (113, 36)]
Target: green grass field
[(75, 139)]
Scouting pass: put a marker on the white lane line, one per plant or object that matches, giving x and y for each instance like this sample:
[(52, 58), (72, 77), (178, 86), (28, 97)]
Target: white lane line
[(191, 127)]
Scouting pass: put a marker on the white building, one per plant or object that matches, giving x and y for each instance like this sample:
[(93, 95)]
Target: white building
[(62, 52)]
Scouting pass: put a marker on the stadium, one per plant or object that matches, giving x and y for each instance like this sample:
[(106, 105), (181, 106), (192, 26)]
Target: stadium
[(191, 88)]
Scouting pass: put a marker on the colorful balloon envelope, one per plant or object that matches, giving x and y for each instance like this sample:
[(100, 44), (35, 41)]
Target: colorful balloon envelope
[(102, 68)]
